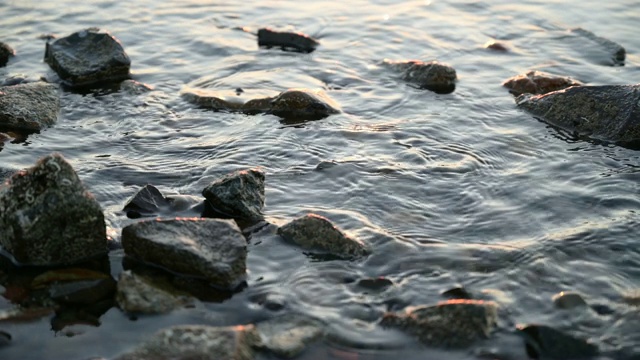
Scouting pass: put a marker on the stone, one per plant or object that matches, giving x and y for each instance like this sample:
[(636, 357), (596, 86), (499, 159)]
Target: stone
[(316, 233), (538, 82), (6, 52), (614, 53), (30, 106), (457, 292), (149, 202), (5, 339), (295, 105), (133, 87), (287, 336), (375, 284), (435, 76), (287, 40), (212, 249), (85, 292), (496, 46), (139, 294), (568, 300), (197, 342), (47, 217), (17, 79), (239, 195), (449, 324), (88, 57), (548, 343)]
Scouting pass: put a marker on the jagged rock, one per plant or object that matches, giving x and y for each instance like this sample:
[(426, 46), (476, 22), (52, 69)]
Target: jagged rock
[(212, 249), (191, 342), (30, 106), (316, 233), (287, 40), (609, 113), (239, 195), (614, 53), (538, 82), (47, 217), (302, 105), (434, 76), (85, 292), (568, 300), (288, 335), (5, 53), (544, 342), (149, 202), (88, 57), (450, 324), (139, 294)]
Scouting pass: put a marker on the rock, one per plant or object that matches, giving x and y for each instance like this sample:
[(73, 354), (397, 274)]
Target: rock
[(149, 202), (30, 106), (239, 195), (138, 294), (133, 87), (214, 100), (568, 300), (449, 324), (434, 76), (6, 52), (212, 249), (17, 79), (613, 50), (288, 335), (608, 113), (548, 343), (316, 233), (47, 217), (296, 105), (538, 82), (287, 40), (191, 342), (85, 292), (457, 292), (375, 284), (66, 275), (88, 57), (5, 339), (496, 46)]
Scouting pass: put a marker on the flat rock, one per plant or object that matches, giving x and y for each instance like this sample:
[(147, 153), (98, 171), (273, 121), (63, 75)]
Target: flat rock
[(609, 113), (29, 106), (6, 52), (544, 342), (288, 335), (139, 294), (435, 76), (316, 233), (610, 52), (449, 324), (293, 41), (239, 195), (88, 57), (568, 300), (538, 82), (212, 249), (47, 217)]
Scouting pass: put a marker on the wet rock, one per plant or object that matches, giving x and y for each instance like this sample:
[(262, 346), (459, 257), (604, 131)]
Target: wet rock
[(239, 195), (288, 335), (538, 82), (609, 113), (30, 106), (450, 324), (149, 202), (375, 284), (458, 292), (47, 217), (287, 40), (616, 53), (190, 342), (496, 46), (6, 52), (138, 294), (17, 79), (5, 339), (88, 57), (316, 233), (84, 292), (296, 105), (214, 101), (602, 309), (544, 342), (434, 76), (568, 300), (212, 249), (66, 275), (133, 87)]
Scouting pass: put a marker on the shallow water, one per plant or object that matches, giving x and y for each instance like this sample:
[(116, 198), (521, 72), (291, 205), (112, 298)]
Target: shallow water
[(455, 189)]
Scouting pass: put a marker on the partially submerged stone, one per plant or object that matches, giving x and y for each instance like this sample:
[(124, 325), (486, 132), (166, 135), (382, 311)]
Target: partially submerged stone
[(149, 202), (302, 105), (435, 76), (538, 82), (47, 217), (6, 52), (29, 106), (544, 342), (239, 195), (83, 292), (317, 234), (212, 249), (568, 300), (139, 294), (88, 57), (496, 46), (288, 335), (287, 40), (615, 52)]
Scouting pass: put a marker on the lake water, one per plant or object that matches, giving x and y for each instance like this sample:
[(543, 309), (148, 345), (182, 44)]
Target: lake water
[(448, 189)]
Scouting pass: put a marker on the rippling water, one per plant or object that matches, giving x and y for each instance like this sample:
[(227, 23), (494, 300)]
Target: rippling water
[(456, 189)]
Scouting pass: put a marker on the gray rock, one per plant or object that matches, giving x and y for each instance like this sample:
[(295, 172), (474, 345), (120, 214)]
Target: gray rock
[(288, 335), (198, 342), (17, 79), (450, 324), (437, 77), (239, 195), (88, 57), (609, 113), (47, 217), (287, 40), (296, 105), (544, 342), (5, 339), (5, 53), (133, 87), (212, 249), (316, 233), (139, 294), (538, 82), (30, 106), (568, 300), (614, 52), (85, 292)]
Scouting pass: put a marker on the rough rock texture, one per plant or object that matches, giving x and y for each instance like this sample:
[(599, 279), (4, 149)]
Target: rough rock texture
[(197, 342), (449, 324), (610, 113), (5, 53), (568, 300), (208, 248), (30, 106), (613, 50), (434, 76), (47, 217), (316, 233), (287, 40), (138, 294), (544, 342), (288, 335), (87, 57), (239, 195), (538, 82), (302, 105)]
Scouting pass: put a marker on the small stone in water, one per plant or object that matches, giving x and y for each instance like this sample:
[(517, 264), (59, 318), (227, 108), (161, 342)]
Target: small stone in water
[(458, 292), (5, 339), (568, 300), (286, 40), (376, 284)]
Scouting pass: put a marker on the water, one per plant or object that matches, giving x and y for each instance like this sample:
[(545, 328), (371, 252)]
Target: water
[(457, 189)]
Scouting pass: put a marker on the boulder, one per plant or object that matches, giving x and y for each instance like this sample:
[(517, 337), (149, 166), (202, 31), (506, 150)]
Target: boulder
[(302, 105), (568, 300), (47, 217), (139, 294), (288, 335), (538, 82), (317, 234), (287, 40), (614, 53), (5, 53), (88, 57), (29, 106), (437, 77), (544, 342), (212, 249), (608, 113), (239, 195)]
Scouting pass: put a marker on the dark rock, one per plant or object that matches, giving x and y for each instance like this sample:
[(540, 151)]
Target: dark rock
[(88, 57), (206, 248), (149, 202), (450, 324), (602, 309), (139, 294), (316, 233), (47, 217), (84, 292), (5, 339), (66, 275), (457, 293), (375, 284), (288, 335), (214, 100), (287, 40), (5, 53), (239, 195), (296, 105), (538, 82), (613, 50), (544, 342), (434, 76), (568, 300), (496, 46), (30, 106)]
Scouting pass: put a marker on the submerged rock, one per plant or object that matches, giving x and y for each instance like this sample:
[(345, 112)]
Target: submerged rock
[(138, 294), (538, 82), (615, 52), (544, 342), (30, 106), (287, 40), (316, 233), (88, 57), (302, 105), (609, 113), (212, 249), (47, 217), (434, 76), (5, 339), (17, 79), (5, 53), (288, 335), (568, 300), (496, 46), (85, 292), (149, 202), (239, 195)]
